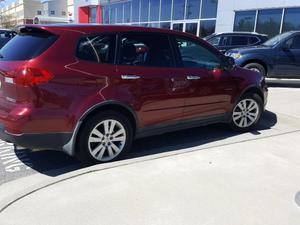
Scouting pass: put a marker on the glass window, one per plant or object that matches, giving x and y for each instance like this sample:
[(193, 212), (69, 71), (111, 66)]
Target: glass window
[(215, 40), (135, 10), (207, 27), (191, 28), (244, 21), (119, 8), (268, 22), (93, 15), (144, 10), (178, 26), (291, 20), (253, 40), (209, 8), (52, 12), (178, 9), (165, 25), (39, 12), (98, 48), (151, 50), (106, 14), (239, 40), (166, 6), (192, 9), (154, 10), (127, 12), (25, 47), (276, 40), (112, 14), (194, 55), (294, 42), (156, 25)]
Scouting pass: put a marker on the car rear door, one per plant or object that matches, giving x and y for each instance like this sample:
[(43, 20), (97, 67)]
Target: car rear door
[(145, 68), (209, 87)]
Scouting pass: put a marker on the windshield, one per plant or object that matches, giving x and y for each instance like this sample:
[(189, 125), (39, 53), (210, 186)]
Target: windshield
[(275, 40)]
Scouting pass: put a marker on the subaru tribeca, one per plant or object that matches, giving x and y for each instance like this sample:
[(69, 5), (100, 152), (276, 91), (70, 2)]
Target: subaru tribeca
[(90, 90)]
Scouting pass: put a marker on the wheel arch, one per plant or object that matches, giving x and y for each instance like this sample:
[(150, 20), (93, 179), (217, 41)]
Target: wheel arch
[(70, 147), (251, 89), (258, 61)]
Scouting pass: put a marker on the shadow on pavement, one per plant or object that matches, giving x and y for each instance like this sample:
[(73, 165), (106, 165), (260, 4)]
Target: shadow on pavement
[(54, 163), (277, 83)]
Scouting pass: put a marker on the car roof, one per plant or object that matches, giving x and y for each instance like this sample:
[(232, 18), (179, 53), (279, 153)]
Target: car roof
[(241, 33), (93, 28)]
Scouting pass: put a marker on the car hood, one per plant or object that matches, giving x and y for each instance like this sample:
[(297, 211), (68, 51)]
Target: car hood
[(252, 49)]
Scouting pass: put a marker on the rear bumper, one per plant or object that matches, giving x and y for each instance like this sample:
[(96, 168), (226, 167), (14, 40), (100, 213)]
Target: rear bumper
[(54, 141)]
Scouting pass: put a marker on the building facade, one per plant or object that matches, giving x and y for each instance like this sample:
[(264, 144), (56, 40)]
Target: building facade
[(199, 17)]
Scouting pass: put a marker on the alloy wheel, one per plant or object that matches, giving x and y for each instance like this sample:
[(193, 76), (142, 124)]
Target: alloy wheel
[(245, 113), (107, 140)]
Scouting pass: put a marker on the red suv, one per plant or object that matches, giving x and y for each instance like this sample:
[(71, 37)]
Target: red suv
[(90, 90)]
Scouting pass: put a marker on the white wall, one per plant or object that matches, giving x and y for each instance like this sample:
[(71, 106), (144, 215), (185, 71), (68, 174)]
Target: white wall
[(226, 9)]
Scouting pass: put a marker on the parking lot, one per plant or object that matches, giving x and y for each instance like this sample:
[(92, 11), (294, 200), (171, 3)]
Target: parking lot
[(282, 116), (254, 174)]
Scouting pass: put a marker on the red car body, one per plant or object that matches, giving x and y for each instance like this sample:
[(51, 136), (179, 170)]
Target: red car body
[(49, 114)]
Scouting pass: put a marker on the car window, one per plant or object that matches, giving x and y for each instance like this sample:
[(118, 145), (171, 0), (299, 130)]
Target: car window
[(239, 40), (253, 40), (194, 55), (97, 48), (215, 40), (151, 50), (294, 43), (26, 46)]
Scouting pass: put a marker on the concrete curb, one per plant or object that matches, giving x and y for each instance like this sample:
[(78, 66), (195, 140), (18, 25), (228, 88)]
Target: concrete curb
[(45, 181)]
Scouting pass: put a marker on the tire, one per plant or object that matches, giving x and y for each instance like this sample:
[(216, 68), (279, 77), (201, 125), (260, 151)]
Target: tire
[(105, 137), (244, 119), (256, 67)]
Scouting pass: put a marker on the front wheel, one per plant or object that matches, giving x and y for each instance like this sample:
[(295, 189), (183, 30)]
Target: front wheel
[(246, 113), (103, 138)]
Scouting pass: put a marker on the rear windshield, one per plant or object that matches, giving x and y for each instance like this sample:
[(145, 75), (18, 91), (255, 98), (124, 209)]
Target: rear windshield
[(25, 47)]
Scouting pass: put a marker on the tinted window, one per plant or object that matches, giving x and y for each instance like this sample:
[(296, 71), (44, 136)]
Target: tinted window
[(154, 10), (165, 10), (291, 20), (194, 55), (268, 22), (178, 9), (253, 40), (99, 48), (192, 9), (207, 27), (25, 47), (244, 21), (178, 26), (294, 43), (215, 40), (239, 40), (191, 28), (209, 8), (145, 50)]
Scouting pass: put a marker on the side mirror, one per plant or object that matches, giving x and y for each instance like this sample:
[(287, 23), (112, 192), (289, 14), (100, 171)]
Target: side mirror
[(228, 63)]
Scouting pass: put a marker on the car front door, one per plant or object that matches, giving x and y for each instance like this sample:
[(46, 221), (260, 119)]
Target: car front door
[(145, 68), (288, 58), (209, 86)]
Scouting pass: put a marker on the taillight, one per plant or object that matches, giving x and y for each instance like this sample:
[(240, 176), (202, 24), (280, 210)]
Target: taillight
[(30, 76)]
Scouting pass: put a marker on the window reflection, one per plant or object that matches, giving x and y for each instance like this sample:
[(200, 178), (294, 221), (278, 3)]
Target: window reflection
[(268, 22), (165, 10), (127, 12), (154, 10), (135, 10), (144, 10), (192, 9), (291, 20), (209, 8), (178, 9), (207, 27), (244, 21)]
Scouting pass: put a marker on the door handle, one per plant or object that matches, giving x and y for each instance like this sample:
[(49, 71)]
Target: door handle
[(130, 77), (193, 77)]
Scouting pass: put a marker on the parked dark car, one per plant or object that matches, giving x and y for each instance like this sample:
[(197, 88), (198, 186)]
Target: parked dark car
[(5, 36), (279, 57), (113, 84), (227, 41)]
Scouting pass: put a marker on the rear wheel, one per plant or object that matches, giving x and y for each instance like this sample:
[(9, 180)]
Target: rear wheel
[(247, 112), (105, 137), (256, 67)]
